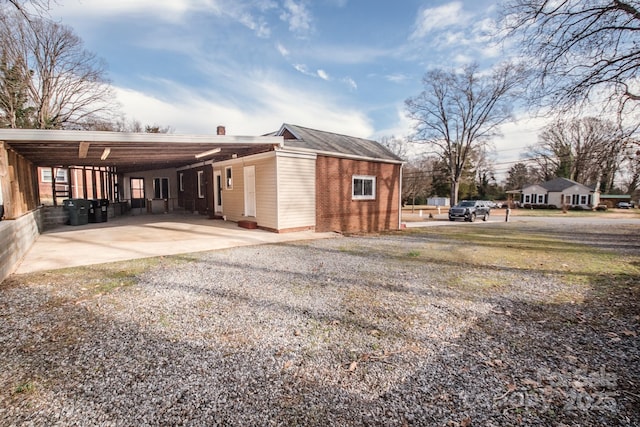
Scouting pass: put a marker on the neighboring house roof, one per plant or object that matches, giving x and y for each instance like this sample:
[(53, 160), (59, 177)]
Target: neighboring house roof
[(558, 185), (333, 143)]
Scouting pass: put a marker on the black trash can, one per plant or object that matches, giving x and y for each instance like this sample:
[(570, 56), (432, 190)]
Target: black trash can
[(94, 209), (103, 207), (78, 211)]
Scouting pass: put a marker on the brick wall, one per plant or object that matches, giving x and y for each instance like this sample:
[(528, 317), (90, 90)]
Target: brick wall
[(336, 211), (188, 198)]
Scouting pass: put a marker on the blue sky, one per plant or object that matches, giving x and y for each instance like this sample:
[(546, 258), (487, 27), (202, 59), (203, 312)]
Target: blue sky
[(339, 65)]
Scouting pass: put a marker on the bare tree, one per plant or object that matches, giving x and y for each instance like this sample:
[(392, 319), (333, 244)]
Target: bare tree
[(588, 150), (580, 50), (397, 146), (66, 84), (417, 179), (23, 6), (484, 173), (459, 112), (631, 178)]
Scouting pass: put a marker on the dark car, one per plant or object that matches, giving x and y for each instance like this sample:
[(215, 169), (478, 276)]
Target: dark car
[(469, 210)]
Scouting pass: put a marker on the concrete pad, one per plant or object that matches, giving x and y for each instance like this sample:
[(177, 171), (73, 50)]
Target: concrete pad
[(132, 237)]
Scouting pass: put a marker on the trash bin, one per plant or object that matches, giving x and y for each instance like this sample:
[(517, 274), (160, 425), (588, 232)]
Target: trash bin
[(103, 214), (94, 209), (78, 211)]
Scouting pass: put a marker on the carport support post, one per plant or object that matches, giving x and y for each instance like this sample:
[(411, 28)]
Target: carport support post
[(5, 182), (506, 218)]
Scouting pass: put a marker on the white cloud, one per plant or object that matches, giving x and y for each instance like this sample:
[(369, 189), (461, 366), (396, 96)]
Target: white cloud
[(283, 50), (462, 59), (401, 129), (304, 70), (172, 11), (168, 10), (323, 74), (351, 83), (437, 18), (397, 77), (191, 110), (298, 17)]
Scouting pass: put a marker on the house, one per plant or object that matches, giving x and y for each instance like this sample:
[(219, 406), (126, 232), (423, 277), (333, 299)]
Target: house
[(315, 180), (559, 192), (293, 179)]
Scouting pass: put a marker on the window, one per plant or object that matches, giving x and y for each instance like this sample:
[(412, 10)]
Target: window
[(540, 198), (61, 175), (364, 187), (201, 184), (228, 182), (181, 181), (583, 200), (526, 198), (137, 188), (160, 188)]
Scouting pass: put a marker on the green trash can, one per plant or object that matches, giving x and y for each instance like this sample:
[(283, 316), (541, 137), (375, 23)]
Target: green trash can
[(78, 211)]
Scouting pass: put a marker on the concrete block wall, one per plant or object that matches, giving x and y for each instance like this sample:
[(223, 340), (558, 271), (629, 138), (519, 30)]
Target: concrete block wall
[(335, 208), (16, 238), (53, 217)]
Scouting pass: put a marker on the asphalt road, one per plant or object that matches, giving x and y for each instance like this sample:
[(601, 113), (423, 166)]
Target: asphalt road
[(499, 216)]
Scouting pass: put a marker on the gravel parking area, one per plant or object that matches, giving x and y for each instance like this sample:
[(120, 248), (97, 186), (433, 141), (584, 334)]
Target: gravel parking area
[(392, 330)]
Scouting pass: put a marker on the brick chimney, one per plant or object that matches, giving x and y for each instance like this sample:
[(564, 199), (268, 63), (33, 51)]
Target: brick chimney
[(221, 130)]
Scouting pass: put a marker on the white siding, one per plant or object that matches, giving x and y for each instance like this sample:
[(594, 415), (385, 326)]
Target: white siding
[(296, 190), (266, 201)]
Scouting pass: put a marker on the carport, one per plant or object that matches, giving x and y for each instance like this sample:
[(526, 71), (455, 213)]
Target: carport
[(103, 157), (100, 161)]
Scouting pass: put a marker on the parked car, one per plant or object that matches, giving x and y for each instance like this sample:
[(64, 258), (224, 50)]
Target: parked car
[(469, 210), (624, 205)]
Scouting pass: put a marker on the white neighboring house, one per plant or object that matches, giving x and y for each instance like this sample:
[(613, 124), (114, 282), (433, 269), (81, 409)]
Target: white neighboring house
[(560, 192)]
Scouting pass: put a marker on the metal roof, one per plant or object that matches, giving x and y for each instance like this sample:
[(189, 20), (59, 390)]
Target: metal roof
[(335, 144), (129, 151)]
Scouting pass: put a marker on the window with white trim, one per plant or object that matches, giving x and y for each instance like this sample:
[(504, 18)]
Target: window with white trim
[(228, 179), (61, 175), (363, 187), (201, 184), (526, 198), (540, 198)]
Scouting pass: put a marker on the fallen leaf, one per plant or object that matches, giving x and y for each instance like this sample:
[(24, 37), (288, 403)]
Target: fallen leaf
[(353, 366), (629, 333), (530, 382), (465, 422), (288, 364)]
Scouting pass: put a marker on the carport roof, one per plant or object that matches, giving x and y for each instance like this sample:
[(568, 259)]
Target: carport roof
[(129, 151)]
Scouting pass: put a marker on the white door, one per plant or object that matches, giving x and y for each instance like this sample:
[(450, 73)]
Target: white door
[(250, 191), (217, 192)]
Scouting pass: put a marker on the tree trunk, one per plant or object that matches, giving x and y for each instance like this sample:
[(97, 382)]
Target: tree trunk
[(455, 186)]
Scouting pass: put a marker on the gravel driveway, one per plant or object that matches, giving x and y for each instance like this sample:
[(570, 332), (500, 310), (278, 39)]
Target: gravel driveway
[(374, 330)]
